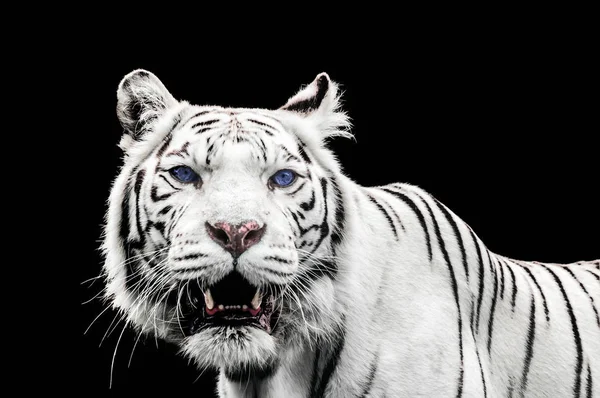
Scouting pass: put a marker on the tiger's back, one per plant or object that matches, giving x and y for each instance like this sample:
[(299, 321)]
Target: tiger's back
[(504, 327)]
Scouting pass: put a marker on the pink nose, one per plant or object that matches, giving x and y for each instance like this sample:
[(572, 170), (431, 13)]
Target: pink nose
[(235, 239)]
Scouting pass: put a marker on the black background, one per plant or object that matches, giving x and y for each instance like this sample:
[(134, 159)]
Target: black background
[(497, 121)]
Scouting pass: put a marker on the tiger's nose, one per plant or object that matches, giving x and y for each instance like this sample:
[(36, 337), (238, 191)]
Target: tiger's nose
[(236, 239)]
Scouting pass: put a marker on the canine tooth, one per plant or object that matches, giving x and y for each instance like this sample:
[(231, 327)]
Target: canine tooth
[(256, 300), (221, 307), (208, 299)]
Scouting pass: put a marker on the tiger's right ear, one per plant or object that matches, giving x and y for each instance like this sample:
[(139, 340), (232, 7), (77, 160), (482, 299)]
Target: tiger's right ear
[(319, 102), (141, 100)]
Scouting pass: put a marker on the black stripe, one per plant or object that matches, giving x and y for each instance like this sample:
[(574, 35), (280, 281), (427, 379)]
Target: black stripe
[(541, 292), (297, 189), (276, 273), (139, 180), (385, 213), (168, 182), (529, 344), (500, 266), (205, 123), (331, 365), (419, 215), (209, 150), (157, 198), (316, 271), (160, 226), (165, 210), (289, 154), (124, 222), (494, 298), (300, 229), (132, 278), (575, 330), (263, 148), (438, 234), (196, 115), (278, 259), (595, 275), (480, 370), (263, 129), (163, 148), (188, 269), (176, 121), (513, 297), (205, 129), (481, 277), (302, 152), (340, 216), (310, 204), (511, 387), (588, 390), (586, 292), (267, 116), (303, 231), (314, 378), (192, 256), (457, 235), (324, 227), (391, 208), (261, 123), (370, 377), (180, 152)]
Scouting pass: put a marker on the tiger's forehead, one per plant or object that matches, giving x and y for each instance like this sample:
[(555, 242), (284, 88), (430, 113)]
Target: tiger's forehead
[(215, 132), (201, 121)]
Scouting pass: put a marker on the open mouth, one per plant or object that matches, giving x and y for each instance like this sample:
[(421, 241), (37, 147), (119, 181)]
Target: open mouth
[(232, 301)]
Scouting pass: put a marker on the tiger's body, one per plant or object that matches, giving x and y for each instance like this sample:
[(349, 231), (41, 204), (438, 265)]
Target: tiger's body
[(366, 292)]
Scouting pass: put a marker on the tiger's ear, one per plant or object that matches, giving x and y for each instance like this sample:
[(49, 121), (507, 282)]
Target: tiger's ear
[(320, 101), (141, 100)]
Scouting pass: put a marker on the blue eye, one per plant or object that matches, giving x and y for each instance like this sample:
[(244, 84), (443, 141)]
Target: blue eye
[(184, 174), (283, 178)]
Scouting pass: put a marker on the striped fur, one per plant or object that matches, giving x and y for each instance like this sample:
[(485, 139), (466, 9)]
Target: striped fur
[(383, 291)]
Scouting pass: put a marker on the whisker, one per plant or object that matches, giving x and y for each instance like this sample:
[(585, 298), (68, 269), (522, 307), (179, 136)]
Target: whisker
[(109, 331), (93, 298), (96, 318), (92, 280), (112, 365)]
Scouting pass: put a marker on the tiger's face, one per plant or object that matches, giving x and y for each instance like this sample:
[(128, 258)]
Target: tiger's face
[(216, 222)]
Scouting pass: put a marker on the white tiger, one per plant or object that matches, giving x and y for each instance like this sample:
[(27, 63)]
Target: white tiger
[(233, 233)]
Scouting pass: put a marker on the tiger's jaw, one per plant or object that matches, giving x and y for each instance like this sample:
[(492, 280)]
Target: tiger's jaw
[(230, 325), (231, 302)]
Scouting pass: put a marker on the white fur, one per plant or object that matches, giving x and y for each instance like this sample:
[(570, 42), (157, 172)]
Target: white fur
[(395, 308)]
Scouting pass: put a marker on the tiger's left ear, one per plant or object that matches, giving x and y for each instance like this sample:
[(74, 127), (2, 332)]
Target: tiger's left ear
[(320, 101)]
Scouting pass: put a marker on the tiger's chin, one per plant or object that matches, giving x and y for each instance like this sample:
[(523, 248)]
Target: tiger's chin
[(239, 351), (230, 325)]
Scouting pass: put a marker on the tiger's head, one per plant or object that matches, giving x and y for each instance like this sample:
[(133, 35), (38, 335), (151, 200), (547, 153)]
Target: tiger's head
[(222, 224)]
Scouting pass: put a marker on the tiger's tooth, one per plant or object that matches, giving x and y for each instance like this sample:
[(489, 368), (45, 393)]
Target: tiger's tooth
[(208, 299), (256, 300), (221, 307)]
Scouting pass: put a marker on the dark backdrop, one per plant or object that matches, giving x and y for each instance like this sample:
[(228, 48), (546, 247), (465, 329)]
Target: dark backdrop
[(499, 124)]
